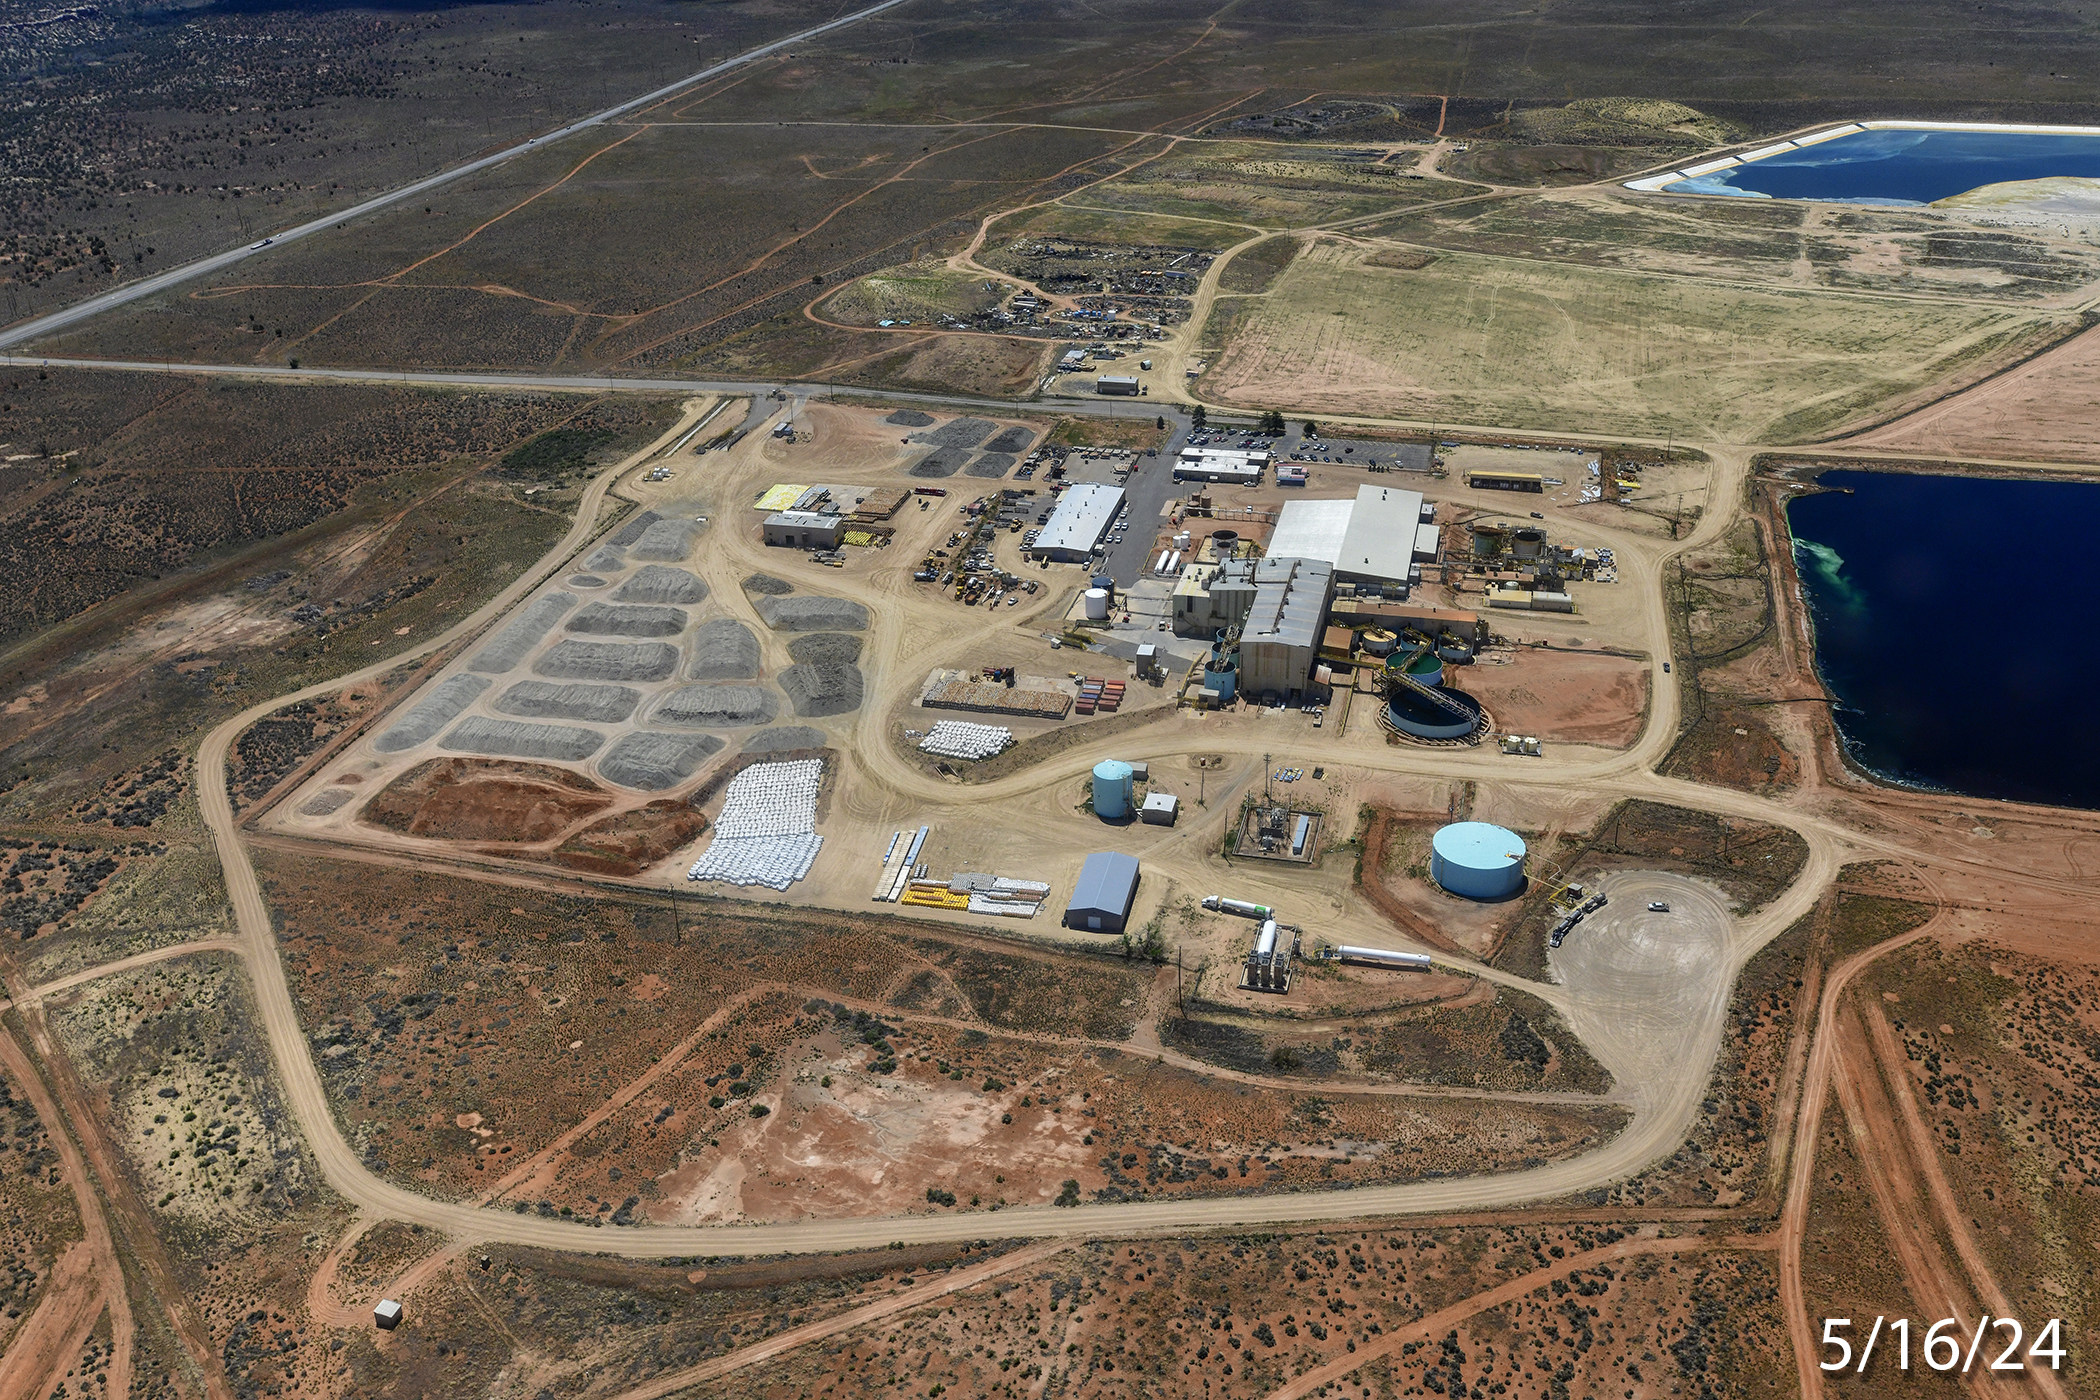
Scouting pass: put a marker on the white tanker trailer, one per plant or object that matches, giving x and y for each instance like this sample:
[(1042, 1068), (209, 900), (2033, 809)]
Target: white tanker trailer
[(1383, 957)]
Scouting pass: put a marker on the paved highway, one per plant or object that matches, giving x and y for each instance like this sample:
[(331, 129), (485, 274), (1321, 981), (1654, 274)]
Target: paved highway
[(26, 331)]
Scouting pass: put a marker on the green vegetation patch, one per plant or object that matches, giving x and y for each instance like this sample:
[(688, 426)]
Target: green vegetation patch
[(560, 452)]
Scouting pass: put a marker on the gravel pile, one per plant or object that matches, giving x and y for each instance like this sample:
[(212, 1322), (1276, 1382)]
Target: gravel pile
[(433, 712), (605, 704), (946, 462), (513, 738), (608, 661), (606, 559), (630, 532), (521, 634), (585, 581), (820, 647), (716, 706), (660, 583), (963, 432), (829, 688), (909, 418), (1013, 440), (991, 464), (768, 586), (628, 620), (724, 650), (651, 762), (326, 801), (813, 614), (667, 541), (784, 738)]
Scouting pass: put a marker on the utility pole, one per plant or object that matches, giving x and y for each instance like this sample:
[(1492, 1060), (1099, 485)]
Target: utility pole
[(1179, 1001)]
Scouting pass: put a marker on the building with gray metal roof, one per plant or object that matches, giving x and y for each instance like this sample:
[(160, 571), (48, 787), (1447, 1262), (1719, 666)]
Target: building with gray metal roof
[(1107, 888), (1370, 540), (1280, 639), (1082, 516)]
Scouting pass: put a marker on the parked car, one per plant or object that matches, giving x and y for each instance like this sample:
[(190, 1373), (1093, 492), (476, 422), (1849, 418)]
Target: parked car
[(1657, 906)]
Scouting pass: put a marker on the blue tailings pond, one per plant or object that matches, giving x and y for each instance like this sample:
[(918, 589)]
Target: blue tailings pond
[(1953, 620), (1904, 167)]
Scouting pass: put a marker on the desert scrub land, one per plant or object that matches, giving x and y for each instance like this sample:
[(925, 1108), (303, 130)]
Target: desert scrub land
[(1267, 187), (1240, 1315), (1775, 243), (130, 160), (1470, 339), (39, 1219)]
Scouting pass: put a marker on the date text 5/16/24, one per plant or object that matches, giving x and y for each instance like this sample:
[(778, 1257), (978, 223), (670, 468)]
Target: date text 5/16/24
[(1994, 1344)]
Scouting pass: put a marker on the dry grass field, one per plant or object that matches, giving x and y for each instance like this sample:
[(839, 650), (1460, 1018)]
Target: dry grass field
[(1490, 340)]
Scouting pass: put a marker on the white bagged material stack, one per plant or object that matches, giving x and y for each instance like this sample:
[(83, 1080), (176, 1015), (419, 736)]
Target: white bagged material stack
[(766, 834), (955, 738)]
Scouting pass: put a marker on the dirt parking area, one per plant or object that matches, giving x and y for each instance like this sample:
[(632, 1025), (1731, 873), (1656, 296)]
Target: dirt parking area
[(1572, 697)]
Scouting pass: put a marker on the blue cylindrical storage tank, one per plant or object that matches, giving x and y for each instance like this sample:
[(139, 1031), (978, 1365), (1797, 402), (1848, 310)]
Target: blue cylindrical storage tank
[(1478, 860), (1112, 789)]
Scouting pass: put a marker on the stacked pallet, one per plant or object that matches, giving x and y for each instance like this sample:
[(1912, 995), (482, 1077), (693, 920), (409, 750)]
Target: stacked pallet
[(995, 894), (933, 894), (987, 698), (958, 738)]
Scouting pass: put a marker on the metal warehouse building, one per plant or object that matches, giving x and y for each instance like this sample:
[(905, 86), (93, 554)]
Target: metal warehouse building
[(1107, 888), (1082, 517), (1370, 540)]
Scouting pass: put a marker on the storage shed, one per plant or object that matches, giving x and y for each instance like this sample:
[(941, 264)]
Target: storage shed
[(804, 529), (1107, 887), (1160, 808)]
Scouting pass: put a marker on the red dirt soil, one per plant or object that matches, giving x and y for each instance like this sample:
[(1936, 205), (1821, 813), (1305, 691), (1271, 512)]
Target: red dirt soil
[(473, 799), (1570, 696)]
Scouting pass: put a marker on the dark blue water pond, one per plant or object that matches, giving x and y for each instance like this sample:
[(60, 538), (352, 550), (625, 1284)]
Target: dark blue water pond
[(1903, 167), (1959, 647)]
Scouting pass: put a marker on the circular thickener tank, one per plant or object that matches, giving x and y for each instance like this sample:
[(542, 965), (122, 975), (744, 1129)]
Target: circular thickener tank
[(1527, 543), (1379, 642), (1426, 668), (1225, 542), (1112, 789), (1477, 860), (1410, 713), (1097, 604)]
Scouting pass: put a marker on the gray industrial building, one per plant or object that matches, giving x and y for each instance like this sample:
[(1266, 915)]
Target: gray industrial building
[(1372, 540), (1082, 516), (1280, 640), (805, 529), (1225, 466), (1107, 888), (1279, 605), (1124, 384)]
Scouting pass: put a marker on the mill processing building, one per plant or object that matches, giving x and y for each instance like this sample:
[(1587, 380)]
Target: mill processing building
[(1375, 539)]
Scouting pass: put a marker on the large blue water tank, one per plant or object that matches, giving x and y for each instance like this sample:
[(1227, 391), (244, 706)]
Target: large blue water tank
[(1477, 860), (1112, 789)]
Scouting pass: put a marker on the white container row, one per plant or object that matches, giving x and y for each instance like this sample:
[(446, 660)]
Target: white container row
[(953, 738), (772, 861)]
